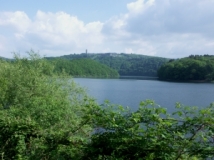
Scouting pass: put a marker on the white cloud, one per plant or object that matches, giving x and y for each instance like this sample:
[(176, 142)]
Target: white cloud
[(139, 6), (19, 20), (51, 32), (63, 29), (169, 28)]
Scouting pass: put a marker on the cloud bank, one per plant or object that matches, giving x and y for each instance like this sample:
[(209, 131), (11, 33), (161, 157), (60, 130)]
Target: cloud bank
[(167, 28)]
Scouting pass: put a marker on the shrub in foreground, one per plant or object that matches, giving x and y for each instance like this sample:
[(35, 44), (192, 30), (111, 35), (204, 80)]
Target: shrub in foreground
[(151, 133), (42, 116)]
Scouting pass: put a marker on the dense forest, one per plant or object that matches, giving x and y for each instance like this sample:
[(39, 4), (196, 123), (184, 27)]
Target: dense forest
[(47, 116), (194, 67), (124, 64), (83, 67)]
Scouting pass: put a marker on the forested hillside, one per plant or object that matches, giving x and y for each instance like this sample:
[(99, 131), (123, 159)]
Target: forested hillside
[(3, 58), (125, 64), (190, 68), (83, 67)]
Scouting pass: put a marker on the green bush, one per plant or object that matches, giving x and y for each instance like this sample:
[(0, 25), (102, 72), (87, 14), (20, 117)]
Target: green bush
[(42, 116), (150, 133)]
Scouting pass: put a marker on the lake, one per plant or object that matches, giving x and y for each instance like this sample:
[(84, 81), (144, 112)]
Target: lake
[(129, 92)]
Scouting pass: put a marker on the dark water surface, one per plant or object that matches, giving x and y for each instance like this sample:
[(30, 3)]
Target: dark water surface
[(129, 92)]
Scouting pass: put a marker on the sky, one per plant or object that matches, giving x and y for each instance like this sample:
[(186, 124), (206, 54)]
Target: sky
[(163, 28)]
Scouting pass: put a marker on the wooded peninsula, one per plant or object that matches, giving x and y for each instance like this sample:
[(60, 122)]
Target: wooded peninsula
[(192, 68)]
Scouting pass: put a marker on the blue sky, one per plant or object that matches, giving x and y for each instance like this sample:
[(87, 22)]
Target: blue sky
[(164, 28)]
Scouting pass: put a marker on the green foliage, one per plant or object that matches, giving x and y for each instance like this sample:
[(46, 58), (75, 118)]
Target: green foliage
[(42, 116), (125, 64), (83, 68), (189, 68), (151, 133)]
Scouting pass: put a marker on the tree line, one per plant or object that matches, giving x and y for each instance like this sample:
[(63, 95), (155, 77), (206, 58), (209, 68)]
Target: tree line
[(44, 115), (124, 64), (194, 67), (83, 67)]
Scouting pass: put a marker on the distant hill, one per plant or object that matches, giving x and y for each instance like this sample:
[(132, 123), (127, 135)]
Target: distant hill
[(125, 64), (83, 67), (3, 58)]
